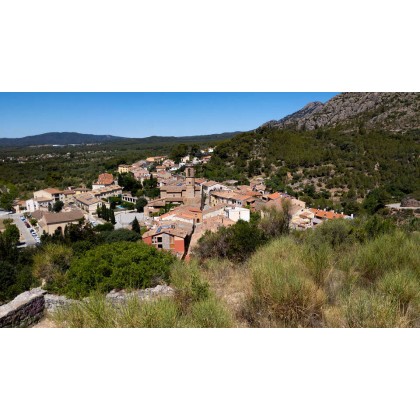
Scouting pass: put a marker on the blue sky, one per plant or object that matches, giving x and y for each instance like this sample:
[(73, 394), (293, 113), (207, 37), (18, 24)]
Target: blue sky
[(145, 114)]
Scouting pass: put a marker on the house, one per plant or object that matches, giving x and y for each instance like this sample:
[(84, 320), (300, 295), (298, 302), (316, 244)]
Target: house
[(328, 215), (209, 186), (106, 192), (104, 180), (294, 206), (50, 222), (184, 214), (237, 213), (160, 169), (232, 198), (124, 169), (66, 196), (154, 206), (88, 202), (172, 237)]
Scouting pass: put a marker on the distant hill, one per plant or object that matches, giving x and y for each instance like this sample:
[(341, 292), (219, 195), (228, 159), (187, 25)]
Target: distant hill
[(68, 138), (391, 111)]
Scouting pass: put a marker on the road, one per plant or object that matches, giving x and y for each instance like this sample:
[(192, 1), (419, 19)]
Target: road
[(24, 231)]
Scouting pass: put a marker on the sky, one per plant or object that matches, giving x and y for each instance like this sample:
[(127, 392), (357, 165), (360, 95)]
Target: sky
[(145, 114)]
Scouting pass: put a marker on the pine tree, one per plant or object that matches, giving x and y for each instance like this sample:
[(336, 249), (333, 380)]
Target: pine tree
[(135, 225)]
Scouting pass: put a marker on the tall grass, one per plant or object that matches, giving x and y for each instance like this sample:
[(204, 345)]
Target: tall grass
[(282, 293), (386, 253), (365, 309), (403, 287)]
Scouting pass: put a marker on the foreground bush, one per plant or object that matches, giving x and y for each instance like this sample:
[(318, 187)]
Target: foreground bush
[(117, 265), (282, 293)]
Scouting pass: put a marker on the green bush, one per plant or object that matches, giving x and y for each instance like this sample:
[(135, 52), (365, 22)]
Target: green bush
[(116, 266)]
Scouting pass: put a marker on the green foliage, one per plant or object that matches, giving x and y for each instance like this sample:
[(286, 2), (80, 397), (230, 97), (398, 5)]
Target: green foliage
[(119, 235), (57, 206), (141, 203), (105, 227), (116, 266), (135, 226)]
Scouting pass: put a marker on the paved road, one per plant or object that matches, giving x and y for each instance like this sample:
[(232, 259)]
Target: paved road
[(24, 231)]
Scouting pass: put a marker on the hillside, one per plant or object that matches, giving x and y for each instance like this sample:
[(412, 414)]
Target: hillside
[(332, 154), (390, 111), (67, 138)]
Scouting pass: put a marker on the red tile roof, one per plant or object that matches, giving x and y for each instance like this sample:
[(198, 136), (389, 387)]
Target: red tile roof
[(105, 179)]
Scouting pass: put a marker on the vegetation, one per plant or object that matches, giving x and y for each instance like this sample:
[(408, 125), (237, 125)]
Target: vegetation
[(15, 264), (193, 306), (113, 266), (325, 168)]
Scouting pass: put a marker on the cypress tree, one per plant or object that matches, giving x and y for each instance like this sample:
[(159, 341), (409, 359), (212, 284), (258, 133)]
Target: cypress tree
[(135, 225)]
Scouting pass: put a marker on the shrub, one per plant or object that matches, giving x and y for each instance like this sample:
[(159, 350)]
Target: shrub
[(116, 266), (401, 286), (52, 262), (387, 253), (365, 309), (282, 295)]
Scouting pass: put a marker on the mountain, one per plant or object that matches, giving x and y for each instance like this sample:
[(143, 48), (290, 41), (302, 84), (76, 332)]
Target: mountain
[(68, 138), (391, 111)]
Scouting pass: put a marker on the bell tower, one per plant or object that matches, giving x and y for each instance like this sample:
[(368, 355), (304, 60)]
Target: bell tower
[(190, 181)]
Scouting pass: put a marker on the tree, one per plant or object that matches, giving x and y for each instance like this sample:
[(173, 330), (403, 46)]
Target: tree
[(58, 206), (141, 203), (112, 217), (135, 225)]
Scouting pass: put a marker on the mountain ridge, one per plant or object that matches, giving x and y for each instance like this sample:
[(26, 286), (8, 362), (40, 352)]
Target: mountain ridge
[(391, 111), (68, 138)]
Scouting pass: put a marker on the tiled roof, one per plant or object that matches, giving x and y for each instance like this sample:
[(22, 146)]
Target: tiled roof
[(105, 179), (323, 214), (87, 199), (52, 190), (63, 217)]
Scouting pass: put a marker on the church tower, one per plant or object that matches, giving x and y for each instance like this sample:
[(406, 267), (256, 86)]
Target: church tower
[(190, 181)]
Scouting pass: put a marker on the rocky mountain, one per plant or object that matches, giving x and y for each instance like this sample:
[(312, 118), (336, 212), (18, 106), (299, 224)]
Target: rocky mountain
[(392, 111)]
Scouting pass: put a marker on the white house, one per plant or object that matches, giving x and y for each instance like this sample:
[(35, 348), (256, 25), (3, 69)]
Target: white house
[(237, 213)]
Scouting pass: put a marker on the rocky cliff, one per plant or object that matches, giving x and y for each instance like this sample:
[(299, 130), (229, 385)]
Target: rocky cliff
[(390, 111)]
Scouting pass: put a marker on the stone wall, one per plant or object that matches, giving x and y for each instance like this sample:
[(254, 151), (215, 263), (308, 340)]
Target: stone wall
[(30, 307), (23, 311)]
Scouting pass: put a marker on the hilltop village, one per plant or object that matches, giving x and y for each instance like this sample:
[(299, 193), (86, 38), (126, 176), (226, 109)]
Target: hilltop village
[(183, 210)]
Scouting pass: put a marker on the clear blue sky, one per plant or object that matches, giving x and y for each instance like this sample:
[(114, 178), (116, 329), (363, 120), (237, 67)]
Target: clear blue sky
[(145, 114)]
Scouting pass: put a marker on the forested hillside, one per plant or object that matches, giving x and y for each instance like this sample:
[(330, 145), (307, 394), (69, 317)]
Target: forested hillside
[(325, 167)]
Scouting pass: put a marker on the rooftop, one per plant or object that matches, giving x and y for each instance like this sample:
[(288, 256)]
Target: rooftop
[(63, 217)]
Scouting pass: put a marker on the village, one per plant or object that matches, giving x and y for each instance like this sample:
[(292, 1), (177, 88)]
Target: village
[(185, 209)]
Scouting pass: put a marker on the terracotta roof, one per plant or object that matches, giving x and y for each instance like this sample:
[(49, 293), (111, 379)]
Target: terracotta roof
[(52, 190), (63, 217), (105, 179), (274, 196), (323, 214)]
